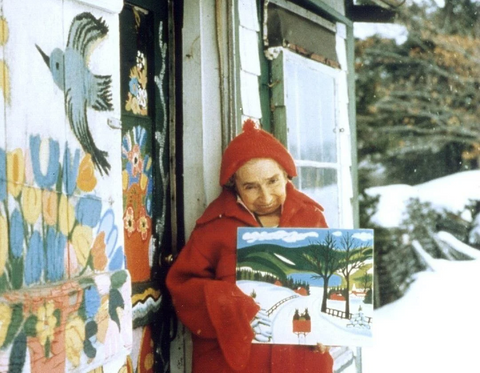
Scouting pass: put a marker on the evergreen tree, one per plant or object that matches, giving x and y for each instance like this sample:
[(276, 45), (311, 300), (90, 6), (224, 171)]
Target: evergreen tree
[(417, 111)]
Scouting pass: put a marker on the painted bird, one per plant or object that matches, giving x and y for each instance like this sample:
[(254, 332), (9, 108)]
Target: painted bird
[(82, 88)]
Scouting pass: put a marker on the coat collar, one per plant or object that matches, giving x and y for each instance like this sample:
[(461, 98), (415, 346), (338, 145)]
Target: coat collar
[(226, 205)]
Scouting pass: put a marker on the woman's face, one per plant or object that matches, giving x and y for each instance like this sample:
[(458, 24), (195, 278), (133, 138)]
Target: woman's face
[(261, 184)]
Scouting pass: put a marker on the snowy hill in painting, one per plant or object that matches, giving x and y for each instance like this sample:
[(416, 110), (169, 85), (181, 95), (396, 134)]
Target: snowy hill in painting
[(280, 304)]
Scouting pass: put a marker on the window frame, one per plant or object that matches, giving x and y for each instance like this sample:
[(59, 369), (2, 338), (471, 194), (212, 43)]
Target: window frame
[(344, 217)]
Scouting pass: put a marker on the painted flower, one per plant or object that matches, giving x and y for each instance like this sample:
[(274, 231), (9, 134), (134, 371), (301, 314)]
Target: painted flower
[(49, 207), (132, 104), (141, 60), (103, 319), (45, 154), (3, 175), (86, 180), (92, 301), (66, 215), (70, 170), (98, 252), (74, 339), (142, 98), (46, 322), (34, 261), (5, 319), (143, 224), (56, 244), (31, 204), (88, 211), (82, 242), (115, 254), (143, 181), (124, 180), (135, 157), (16, 234), (139, 136), (5, 81), (134, 198), (15, 172), (129, 221), (132, 145), (3, 244), (134, 86)]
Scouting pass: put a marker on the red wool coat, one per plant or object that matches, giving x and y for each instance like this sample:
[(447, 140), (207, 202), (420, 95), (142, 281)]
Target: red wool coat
[(216, 311)]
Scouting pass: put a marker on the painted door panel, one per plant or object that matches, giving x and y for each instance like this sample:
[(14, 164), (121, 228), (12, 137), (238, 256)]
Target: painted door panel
[(145, 173)]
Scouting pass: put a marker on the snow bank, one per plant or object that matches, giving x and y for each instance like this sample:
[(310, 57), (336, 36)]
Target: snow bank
[(433, 328), (458, 245), (451, 193)]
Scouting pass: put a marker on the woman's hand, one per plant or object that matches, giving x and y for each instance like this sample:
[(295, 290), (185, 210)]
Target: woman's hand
[(321, 348)]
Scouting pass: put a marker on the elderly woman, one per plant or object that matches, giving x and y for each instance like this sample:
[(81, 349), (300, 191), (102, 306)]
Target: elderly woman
[(257, 192)]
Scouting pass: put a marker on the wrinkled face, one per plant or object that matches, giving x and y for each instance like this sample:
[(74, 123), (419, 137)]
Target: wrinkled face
[(261, 184)]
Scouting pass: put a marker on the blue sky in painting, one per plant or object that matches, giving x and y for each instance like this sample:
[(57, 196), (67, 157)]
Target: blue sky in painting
[(297, 237)]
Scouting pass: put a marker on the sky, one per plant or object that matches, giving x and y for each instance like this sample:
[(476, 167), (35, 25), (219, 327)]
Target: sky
[(434, 327), (296, 237)]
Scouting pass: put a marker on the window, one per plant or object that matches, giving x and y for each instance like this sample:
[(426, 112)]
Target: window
[(308, 99)]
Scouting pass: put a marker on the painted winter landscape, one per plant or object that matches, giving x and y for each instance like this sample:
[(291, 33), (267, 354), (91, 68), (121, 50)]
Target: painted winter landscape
[(312, 285)]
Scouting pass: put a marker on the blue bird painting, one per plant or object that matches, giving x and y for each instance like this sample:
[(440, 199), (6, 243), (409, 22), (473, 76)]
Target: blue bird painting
[(82, 88)]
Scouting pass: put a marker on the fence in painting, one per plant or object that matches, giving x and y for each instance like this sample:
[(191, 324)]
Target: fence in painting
[(343, 314), (279, 303)]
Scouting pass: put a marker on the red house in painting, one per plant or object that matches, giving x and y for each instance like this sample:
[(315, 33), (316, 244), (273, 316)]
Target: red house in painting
[(301, 291), (337, 296)]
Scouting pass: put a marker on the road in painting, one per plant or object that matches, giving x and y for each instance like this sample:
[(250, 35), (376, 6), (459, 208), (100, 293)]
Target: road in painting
[(313, 285)]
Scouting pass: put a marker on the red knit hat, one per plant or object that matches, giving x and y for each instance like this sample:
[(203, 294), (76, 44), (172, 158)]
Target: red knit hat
[(252, 143)]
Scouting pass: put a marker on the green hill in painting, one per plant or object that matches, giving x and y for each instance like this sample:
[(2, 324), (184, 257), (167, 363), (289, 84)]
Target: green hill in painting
[(277, 260)]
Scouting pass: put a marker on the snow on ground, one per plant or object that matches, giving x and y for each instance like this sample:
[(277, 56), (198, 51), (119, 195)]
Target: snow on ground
[(451, 193), (435, 326)]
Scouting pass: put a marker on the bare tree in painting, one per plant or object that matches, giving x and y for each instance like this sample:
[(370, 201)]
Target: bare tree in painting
[(324, 260), (355, 253)]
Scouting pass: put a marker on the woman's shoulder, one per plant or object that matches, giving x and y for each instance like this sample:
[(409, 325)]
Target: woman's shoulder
[(301, 210), (300, 198)]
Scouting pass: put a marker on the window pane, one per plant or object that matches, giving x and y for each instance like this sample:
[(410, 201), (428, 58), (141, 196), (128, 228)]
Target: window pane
[(321, 184), (310, 96)]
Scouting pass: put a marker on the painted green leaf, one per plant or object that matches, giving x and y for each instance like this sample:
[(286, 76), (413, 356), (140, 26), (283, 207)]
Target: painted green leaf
[(15, 323), (18, 354), (86, 282), (91, 329), (3, 283), (30, 326), (58, 315), (48, 346), (116, 300), (16, 272), (81, 310), (118, 279), (89, 350)]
